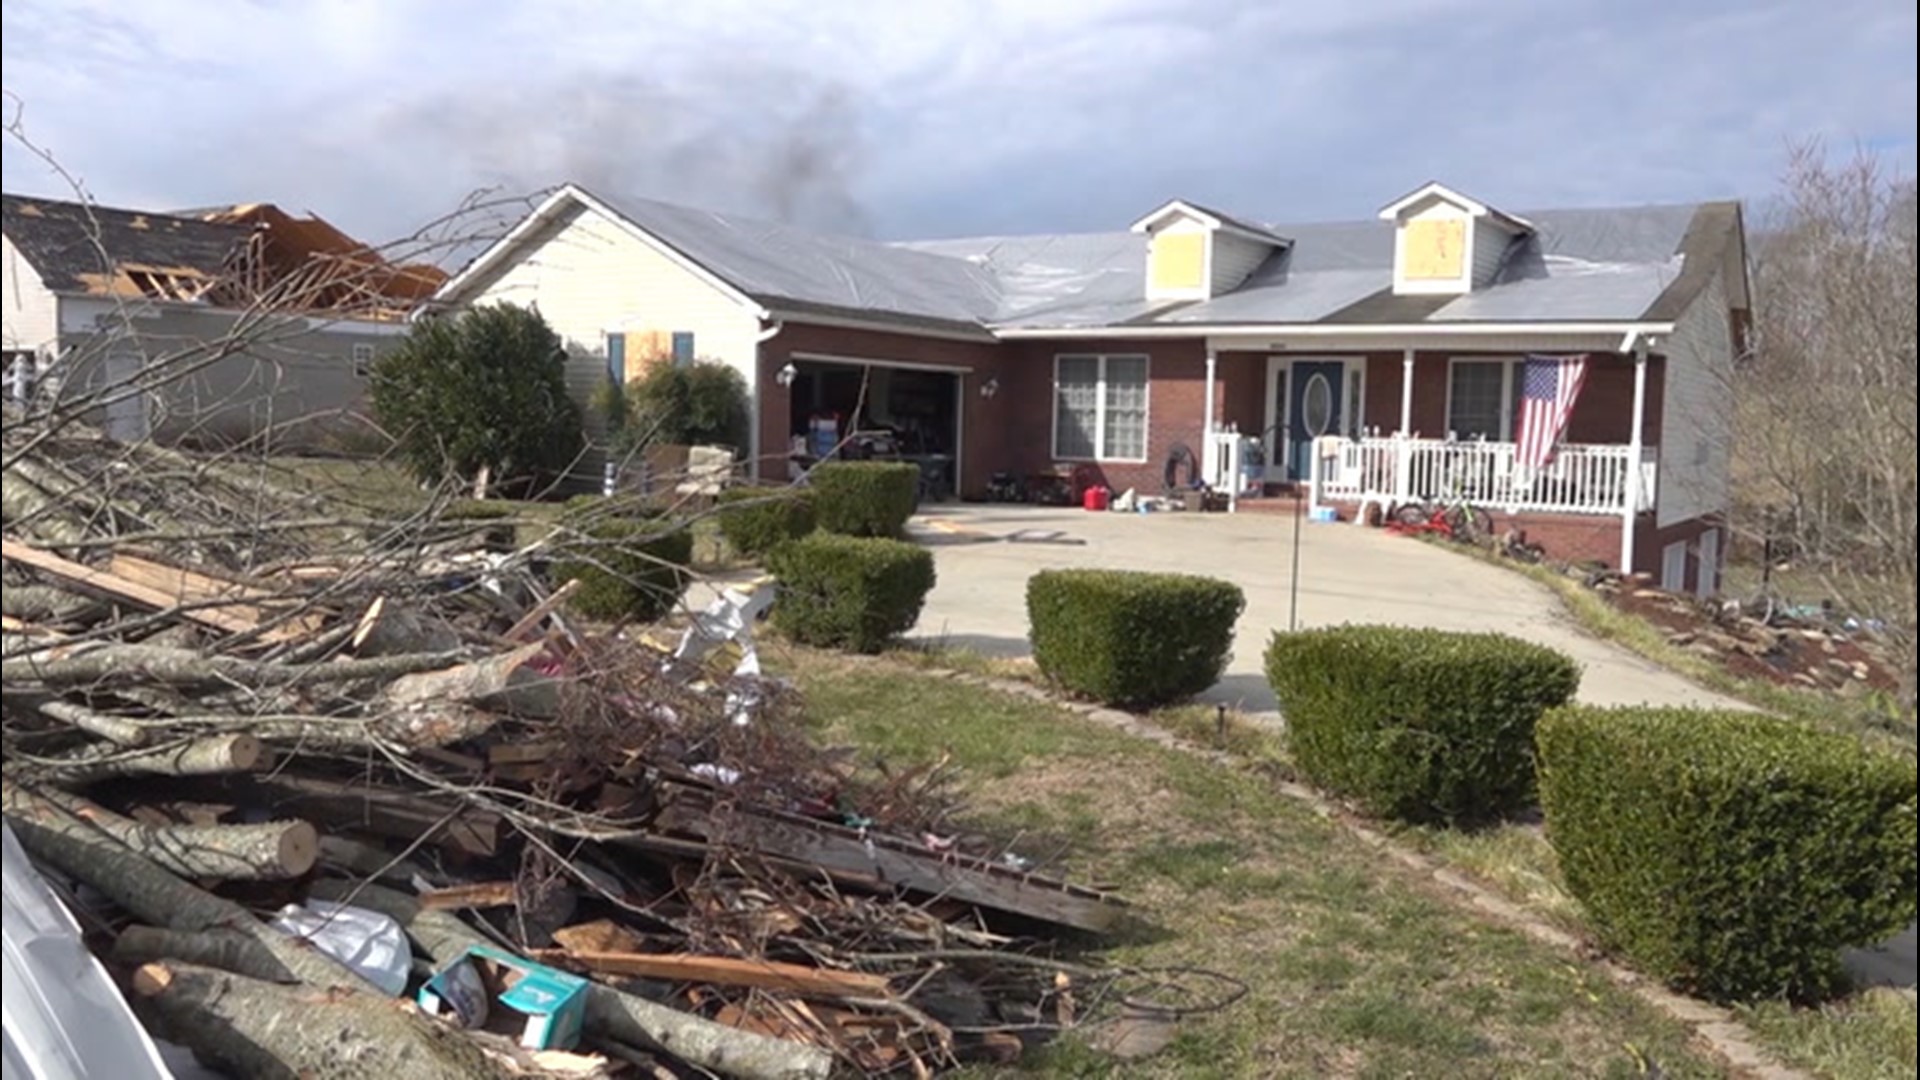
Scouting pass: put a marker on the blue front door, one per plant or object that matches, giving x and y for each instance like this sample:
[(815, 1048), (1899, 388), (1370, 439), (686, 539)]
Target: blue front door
[(1313, 409)]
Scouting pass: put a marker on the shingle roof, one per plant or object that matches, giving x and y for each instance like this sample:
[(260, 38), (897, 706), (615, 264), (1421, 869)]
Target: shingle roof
[(65, 241)]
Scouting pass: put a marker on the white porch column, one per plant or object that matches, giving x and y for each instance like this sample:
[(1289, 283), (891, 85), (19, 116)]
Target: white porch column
[(1630, 513), (1403, 439), (1209, 454)]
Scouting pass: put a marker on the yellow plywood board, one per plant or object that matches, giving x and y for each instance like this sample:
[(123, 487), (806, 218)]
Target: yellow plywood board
[(1179, 260), (1434, 249)]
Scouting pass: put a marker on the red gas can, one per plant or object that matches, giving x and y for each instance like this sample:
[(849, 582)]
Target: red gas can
[(1096, 497)]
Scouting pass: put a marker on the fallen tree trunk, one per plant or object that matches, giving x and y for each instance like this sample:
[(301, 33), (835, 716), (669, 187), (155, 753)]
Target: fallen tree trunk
[(610, 1013), (271, 1032), (141, 665), (114, 729), (154, 895), (503, 681), (275, 851), (228, 950), (46, 604), (210, 756)]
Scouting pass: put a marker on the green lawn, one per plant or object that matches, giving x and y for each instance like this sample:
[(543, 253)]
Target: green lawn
[(1357, 966)]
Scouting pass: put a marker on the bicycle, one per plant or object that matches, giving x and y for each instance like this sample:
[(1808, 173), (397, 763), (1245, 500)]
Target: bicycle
[(1457, 520)]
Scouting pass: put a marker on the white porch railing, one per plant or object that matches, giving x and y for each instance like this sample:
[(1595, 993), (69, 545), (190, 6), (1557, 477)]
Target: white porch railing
[(1581, 479)]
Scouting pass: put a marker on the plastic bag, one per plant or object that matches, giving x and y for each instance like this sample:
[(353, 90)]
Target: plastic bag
[(370, 943)]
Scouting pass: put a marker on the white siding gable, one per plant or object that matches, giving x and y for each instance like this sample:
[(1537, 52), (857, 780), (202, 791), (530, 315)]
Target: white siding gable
[(1696, 410), (31, 320), (589, 275)]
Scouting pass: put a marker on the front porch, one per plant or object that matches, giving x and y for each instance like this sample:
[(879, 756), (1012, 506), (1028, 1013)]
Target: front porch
[(1394, 469), (1439, 421)]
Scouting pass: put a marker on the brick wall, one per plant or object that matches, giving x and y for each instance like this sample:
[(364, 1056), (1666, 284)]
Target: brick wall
[(1602, 415), (1176, 401), (1596, 538), (982, 420)]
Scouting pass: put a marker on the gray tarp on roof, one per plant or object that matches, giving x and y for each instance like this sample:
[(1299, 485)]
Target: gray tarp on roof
[(1604, 265)]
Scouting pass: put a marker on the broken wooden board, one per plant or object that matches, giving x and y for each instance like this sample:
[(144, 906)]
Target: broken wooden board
[(693, 811), (192, 587), (722, 971), (113, 585), (484, 894)]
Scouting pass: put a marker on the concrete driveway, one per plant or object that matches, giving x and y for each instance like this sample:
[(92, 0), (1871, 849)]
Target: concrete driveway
[(1346, 573)]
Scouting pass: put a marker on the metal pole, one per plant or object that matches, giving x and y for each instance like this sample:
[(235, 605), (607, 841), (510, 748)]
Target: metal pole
[(1293, 579)]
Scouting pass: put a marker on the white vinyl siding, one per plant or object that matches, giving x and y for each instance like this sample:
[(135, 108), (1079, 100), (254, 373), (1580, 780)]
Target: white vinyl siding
[(1235, 257), (1100, 408), (1489, 248), (32, 320), (1696, 420), (1480, 398), (590, 276)]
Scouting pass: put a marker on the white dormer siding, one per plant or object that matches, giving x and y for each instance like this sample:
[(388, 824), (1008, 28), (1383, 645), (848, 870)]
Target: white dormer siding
[(1195, 254), (1234, 257), (1445, 243)]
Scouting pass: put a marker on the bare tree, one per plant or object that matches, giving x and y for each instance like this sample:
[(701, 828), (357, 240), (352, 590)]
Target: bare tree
[(1825, 398)]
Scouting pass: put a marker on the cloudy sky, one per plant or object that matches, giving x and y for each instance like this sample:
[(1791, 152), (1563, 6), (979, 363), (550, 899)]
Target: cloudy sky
[(933, 118)]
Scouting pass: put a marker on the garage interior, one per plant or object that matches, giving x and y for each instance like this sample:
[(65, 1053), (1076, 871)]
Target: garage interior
[(871, 410)]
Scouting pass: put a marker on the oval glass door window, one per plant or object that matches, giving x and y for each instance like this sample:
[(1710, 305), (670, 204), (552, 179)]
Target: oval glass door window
[(1316, 405)]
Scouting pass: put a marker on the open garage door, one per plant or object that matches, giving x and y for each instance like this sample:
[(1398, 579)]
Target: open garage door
[(857, 408)]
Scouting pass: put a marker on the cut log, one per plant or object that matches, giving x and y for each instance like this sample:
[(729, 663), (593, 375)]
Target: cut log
[(114, 729), (111, 666), (382, 811), (211, 756), (228, 950), (600, 935), (723, 971), (262, 1030), (275, 851), (503, 682), (153, 895), (610, 1013)]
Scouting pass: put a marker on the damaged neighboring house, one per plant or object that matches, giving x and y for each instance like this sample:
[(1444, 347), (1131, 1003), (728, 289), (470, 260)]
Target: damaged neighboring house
[(226, 325)]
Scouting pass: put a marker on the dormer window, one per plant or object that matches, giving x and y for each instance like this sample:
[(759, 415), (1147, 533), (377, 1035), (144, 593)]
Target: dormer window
[(1447, 243), (1194, 253)]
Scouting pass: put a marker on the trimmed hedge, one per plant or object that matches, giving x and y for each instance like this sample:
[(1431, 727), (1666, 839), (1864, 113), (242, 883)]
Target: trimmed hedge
[(1128, 638), (1414, 724), (1731, 854), (628, 566), (848, 592), (865, 498), (755, 520)]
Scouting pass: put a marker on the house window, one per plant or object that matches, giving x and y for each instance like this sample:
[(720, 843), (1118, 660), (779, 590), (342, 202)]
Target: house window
[(362, 360), (682, 348), (1100, 408), (1480, 399), (1673, 567)]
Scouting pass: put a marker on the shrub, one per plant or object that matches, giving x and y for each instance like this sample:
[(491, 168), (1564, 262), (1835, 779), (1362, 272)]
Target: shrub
[(1131, 639), (484, 388), (1418, 725), (849, 592), (757, 520), (865, 498), (627, 566), (1731, 854), (703, 403)]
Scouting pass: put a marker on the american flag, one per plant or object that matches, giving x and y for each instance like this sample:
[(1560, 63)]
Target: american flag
[(1549, 385)]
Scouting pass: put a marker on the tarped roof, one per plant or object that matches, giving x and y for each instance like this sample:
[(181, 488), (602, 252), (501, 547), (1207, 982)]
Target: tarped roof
[(1578, 265)]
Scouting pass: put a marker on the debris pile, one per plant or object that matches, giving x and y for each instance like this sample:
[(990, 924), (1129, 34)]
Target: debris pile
[(1792, 646), (321, 810)]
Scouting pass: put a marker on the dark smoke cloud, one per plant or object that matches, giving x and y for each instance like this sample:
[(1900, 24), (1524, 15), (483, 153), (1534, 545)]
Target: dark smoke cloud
[(771, 145)]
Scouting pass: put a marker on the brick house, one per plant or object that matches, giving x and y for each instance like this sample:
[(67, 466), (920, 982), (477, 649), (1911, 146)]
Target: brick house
[(1367, 361)]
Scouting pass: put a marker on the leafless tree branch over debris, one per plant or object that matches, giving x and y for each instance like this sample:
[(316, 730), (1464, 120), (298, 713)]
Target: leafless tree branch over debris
[(224, 694), (1825, 435)]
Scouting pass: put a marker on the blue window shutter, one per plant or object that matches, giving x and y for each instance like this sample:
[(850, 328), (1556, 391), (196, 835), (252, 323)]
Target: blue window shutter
[(617, 359), (682, 348)]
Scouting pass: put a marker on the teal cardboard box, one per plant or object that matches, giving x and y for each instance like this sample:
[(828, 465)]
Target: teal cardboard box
[(497, 991)]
